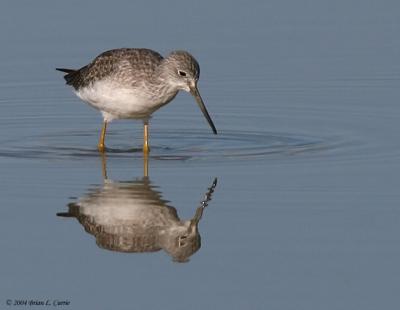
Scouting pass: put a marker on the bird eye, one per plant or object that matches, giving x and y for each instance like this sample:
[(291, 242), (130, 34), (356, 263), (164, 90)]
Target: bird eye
[(182, 73), (182, 241)]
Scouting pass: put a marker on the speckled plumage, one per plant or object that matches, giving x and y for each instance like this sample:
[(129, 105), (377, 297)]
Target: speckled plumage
[(127, 65), (131, 83), (133, 217)]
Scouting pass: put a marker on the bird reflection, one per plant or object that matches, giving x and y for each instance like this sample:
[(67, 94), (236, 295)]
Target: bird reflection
[(132, 217)]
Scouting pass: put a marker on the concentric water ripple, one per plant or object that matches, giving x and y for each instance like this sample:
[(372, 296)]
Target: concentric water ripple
[(169, 145)]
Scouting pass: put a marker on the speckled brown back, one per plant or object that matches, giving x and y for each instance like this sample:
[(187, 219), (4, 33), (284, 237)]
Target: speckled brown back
[(138, 63)]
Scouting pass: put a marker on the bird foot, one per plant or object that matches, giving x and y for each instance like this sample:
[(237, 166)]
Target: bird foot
[(146, 149), (101, 148)]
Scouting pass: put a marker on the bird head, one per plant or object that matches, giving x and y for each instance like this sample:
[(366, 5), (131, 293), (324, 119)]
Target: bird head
[(183, 72), (181, 241)]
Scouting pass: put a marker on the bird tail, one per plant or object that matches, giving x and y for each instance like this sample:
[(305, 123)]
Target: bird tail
[(65, 70), (73, 211), (70, 74)]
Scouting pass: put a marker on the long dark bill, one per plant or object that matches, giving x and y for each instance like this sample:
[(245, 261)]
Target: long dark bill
[(195, 92)]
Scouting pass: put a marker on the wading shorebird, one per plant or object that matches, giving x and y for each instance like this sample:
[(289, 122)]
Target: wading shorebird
[(133, 217), (132, 83)]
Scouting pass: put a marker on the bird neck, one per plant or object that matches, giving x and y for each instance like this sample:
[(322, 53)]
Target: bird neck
[(162, 82)]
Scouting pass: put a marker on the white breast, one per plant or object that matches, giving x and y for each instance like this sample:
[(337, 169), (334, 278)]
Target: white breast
[(116, 101)]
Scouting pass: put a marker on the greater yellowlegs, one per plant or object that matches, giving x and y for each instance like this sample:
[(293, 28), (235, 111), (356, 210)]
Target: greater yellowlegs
[(133, 217), (132, 83)]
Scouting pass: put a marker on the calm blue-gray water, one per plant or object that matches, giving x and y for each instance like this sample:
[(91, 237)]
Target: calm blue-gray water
[(305, 213)]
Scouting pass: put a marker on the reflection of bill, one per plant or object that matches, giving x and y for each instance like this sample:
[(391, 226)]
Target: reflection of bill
[(133, 217)]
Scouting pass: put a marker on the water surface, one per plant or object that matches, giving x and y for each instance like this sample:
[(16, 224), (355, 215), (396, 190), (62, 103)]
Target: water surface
[(305, 215)]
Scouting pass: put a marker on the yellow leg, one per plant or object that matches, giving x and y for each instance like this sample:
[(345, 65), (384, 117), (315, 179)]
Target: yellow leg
[(145, 165), (101, 146), (146, 146), (104, 165)]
